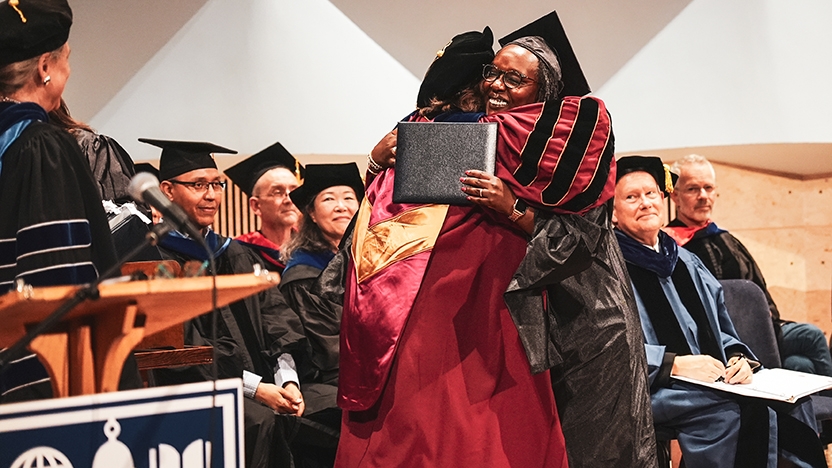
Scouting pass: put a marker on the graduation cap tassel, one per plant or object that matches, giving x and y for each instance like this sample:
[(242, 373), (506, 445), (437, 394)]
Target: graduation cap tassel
[(14, 4), (297, 171), (668, 180)]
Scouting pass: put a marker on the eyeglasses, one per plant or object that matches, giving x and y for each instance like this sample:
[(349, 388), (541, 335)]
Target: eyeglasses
[(512, 79), (201, 187), (278, 192)]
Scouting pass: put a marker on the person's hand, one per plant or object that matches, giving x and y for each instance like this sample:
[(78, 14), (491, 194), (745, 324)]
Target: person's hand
[(738, 371), (287, 400), (489, 191), (699, 367), (384, 153)]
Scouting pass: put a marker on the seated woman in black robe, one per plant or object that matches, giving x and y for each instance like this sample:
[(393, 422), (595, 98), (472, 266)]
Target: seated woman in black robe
[(328, 199)]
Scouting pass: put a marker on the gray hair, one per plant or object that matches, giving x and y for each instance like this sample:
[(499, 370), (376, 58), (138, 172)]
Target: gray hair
[(689, 160), (14, 76)]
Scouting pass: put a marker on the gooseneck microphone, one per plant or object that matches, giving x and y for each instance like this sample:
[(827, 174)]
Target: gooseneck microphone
[(144, 187)]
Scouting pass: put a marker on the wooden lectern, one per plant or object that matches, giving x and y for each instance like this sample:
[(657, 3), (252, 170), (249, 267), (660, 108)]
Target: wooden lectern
[(86, 352)]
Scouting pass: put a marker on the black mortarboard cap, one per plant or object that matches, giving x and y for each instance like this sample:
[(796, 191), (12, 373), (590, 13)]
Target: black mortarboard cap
[(652, 165), (179, 157), (457, 64), (550, 29), (29, 28), (247, 172), (322, 176), (146, 167)]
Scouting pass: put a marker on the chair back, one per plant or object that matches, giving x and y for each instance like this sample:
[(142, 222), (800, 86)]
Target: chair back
[(748, 308)]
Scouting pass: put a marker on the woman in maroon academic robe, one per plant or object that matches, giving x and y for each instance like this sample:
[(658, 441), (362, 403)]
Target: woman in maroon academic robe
[(433, 372)]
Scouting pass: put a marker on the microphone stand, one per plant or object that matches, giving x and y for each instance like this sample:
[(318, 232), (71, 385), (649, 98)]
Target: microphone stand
[(89, 291)]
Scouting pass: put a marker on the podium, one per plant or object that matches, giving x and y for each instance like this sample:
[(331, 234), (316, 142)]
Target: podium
[(86, 352)]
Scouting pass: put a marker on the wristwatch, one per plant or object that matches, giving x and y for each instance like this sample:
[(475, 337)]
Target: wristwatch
[(520, 208)]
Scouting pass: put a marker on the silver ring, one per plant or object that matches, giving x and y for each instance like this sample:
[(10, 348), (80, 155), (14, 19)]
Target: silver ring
[(481, 194)]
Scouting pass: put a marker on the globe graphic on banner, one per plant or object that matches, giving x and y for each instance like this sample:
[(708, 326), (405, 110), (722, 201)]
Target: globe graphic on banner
[(41, 457)]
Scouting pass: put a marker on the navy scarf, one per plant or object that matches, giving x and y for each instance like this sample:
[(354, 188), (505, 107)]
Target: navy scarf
[(317, 260), (190, 248), (14, 118), (645, 265), (661, 263)]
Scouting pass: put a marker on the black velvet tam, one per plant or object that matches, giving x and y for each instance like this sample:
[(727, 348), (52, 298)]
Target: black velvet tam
[(456, 65), (29, 28)]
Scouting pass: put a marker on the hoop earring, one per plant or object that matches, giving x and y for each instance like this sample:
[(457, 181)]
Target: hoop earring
[(47, 80)]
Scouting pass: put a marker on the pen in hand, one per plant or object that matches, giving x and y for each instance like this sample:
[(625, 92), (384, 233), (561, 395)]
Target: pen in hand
[(722, 378)]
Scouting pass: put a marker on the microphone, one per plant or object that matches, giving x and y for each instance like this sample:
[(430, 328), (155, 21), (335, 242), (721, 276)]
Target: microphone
[(144, 187)]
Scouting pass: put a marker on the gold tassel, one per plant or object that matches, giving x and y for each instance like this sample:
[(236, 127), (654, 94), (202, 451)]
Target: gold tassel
[(668, 180), (297, 172), (14, 4)]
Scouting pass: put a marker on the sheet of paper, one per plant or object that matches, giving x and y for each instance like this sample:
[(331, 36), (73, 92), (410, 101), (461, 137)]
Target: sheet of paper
[(773, 384)]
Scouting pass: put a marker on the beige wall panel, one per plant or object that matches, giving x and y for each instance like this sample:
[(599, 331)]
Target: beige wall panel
[(753, 200)]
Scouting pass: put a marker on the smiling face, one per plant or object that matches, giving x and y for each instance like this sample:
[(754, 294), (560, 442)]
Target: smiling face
[(270, 200), (200, 207), (333, 210), (637, 208), (498, 96)]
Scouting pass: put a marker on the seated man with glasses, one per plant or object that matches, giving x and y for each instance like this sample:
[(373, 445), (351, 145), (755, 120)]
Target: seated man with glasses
[(267, 178), (258, 338), (687, 333)]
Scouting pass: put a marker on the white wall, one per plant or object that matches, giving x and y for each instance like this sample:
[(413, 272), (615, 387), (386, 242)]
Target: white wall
[(728, 73), (244, 74)]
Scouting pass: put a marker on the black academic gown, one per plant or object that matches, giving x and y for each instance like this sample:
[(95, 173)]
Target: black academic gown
[(111, 166), (50, 209), (319, 377), (250, 335), (590, 338), (727, 258)]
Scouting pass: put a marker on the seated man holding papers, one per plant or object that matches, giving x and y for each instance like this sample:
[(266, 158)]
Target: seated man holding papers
[(688, 333)]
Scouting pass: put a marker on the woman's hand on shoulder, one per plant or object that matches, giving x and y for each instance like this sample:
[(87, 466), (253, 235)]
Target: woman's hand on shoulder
[(384, 153)]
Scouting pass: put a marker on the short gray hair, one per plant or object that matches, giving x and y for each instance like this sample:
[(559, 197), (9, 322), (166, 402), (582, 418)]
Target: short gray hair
[(689, 160)]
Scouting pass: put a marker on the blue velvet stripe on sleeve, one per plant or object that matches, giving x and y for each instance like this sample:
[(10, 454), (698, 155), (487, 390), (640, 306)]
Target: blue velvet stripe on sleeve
[(56, 235), (47, 254), (77, 273)]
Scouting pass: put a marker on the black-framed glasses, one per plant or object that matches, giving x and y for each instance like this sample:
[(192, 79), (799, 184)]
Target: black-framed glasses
[(512, 79), (201, 187)]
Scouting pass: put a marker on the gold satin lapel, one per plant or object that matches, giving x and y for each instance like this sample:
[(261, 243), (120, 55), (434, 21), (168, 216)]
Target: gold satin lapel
[(407, 234), (360, 232)]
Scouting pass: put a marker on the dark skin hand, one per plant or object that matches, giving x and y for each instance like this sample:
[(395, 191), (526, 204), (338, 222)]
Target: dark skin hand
[(491, 192), (495, 194), (384, 153)]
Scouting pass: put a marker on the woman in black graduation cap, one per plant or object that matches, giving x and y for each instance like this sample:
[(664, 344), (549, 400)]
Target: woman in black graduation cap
[(54, 230), (329, 198)]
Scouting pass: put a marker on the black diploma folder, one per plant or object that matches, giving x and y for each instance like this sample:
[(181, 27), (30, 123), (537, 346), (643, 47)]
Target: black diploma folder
[(432, 156)]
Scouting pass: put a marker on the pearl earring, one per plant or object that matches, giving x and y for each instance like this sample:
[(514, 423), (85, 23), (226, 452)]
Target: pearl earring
[(47, 80)]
